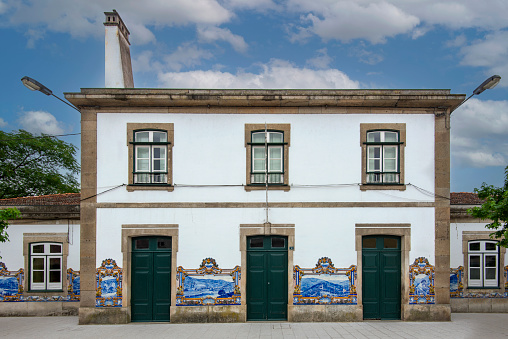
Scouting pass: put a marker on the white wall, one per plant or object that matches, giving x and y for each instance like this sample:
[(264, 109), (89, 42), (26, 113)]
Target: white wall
[(12, 251), (210, 149), (214, 232)]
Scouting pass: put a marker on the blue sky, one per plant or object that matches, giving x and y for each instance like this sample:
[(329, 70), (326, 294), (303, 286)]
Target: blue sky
[(364, 44)]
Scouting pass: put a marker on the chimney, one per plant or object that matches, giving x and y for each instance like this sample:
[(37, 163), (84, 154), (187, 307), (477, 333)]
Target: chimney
[(118, 68)]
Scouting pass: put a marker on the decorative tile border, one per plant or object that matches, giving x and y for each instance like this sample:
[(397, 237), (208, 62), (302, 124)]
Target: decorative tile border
[(208, 285), (109, 285), (73, 289), (11, 284), (421, 282), (324, 284), (457, 286)]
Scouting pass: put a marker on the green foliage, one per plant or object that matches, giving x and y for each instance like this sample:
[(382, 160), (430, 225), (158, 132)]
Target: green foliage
[(31, 165), (7, 214), (494, 208)]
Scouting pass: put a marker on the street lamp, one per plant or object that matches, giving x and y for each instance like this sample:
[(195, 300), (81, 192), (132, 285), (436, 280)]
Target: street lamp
[(34, 85), (487, 84)]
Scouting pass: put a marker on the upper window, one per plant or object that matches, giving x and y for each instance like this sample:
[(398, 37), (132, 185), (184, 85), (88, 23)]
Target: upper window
[(267, 156), (46, 261), (150, 156), (483, 263), (383, 156)]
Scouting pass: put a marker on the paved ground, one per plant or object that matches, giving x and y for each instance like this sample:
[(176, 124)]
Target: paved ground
[(484, 326)]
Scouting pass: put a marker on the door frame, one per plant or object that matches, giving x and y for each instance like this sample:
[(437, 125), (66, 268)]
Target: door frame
[(400, 230), (247, 230), (149, 230)]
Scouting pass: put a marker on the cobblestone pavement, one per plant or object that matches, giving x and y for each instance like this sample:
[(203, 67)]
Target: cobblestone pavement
[(471, 325)]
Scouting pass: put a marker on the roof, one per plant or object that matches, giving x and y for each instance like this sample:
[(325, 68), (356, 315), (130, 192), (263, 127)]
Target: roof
[(69, 199), (465, 198)]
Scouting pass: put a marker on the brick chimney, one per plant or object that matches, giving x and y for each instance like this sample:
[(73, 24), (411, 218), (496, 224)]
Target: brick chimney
[(118, 68)]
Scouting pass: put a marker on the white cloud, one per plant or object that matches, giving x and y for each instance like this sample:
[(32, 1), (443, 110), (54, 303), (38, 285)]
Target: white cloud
[(478, 134), (41, 122), (212, 34), (321, 61), (258, 5), (85, 18), (3, 7), (364, 55), (187, 55), (459, 41), (33, 35), (276, 74), (491, 52), (3, 123)]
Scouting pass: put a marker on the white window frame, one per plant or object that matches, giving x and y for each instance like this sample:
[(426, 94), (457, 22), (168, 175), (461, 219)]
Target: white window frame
[(46, 255), (482, 253), (275, 177), (381, 176), (154, 176)]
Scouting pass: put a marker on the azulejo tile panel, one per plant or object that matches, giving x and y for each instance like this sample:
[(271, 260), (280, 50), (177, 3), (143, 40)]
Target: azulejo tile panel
[(11, 287), (421, 282), (208, 285), (457, 286), (109, 285), (324, 284)]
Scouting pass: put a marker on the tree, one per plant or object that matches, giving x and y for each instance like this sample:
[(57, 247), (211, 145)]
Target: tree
[(36, 165), (7, 214), (494, 208)]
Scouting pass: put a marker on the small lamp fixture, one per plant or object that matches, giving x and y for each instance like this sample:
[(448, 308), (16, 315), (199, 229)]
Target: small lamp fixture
[(487, 84), (34, 85)]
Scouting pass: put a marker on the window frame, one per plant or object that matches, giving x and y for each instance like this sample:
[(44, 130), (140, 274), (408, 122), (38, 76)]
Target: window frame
[(250, 129), (400, 129), (482, 253), (46, 285), (133, 145)]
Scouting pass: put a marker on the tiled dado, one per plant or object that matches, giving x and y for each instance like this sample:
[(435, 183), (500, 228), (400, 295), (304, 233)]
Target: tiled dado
[(457, 286)]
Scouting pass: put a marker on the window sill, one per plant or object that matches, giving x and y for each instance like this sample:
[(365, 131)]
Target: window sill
[(373, 187), (44, 291), (135, 187), (284, 188)]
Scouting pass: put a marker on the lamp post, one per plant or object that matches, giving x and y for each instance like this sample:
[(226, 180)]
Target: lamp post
[(34, 85), (487, 84)]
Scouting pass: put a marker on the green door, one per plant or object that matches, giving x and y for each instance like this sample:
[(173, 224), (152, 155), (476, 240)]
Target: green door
[(381, 277), (267, 278), (151, 279)]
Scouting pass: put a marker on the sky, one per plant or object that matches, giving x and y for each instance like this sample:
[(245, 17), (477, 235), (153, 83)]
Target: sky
[(318, 44)]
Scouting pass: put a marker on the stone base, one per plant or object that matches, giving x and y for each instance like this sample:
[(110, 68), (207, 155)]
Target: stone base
[(38, 308), (432, 312), (103, 315), (479, 305), (325, 313), (208, 314)]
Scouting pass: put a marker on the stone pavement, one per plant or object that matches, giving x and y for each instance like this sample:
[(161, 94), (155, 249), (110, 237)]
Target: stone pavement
[(470, 325)]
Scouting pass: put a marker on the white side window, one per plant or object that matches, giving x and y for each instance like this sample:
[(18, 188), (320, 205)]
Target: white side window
[(483, 259), (46, 266)]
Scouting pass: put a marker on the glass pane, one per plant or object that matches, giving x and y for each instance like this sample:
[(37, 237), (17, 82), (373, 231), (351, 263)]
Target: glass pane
[(54, 276), (258, 178), (275, 165), (142, 136), (474, 246), (54, 263), (388, 177), (390, 243), (490, 273), (374, 178), (259, 153), (159, 137), (275, 178), (490, 246), (38, 263), (391, 137), (374, 152), (390, 152), (474, 261), (278, 242), (55, 249), (258, 137), (141, 178), (142, 244), (159, 178), (490, 260), (156, 152), (256, 242), (143, 152), (390, 165), (474, 273), (157, 165), (259, 165), (38, 276), (38, 248), (143, 165), (369, 242), (275, 137), (373, 137), (275, 152), (163, 243)]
